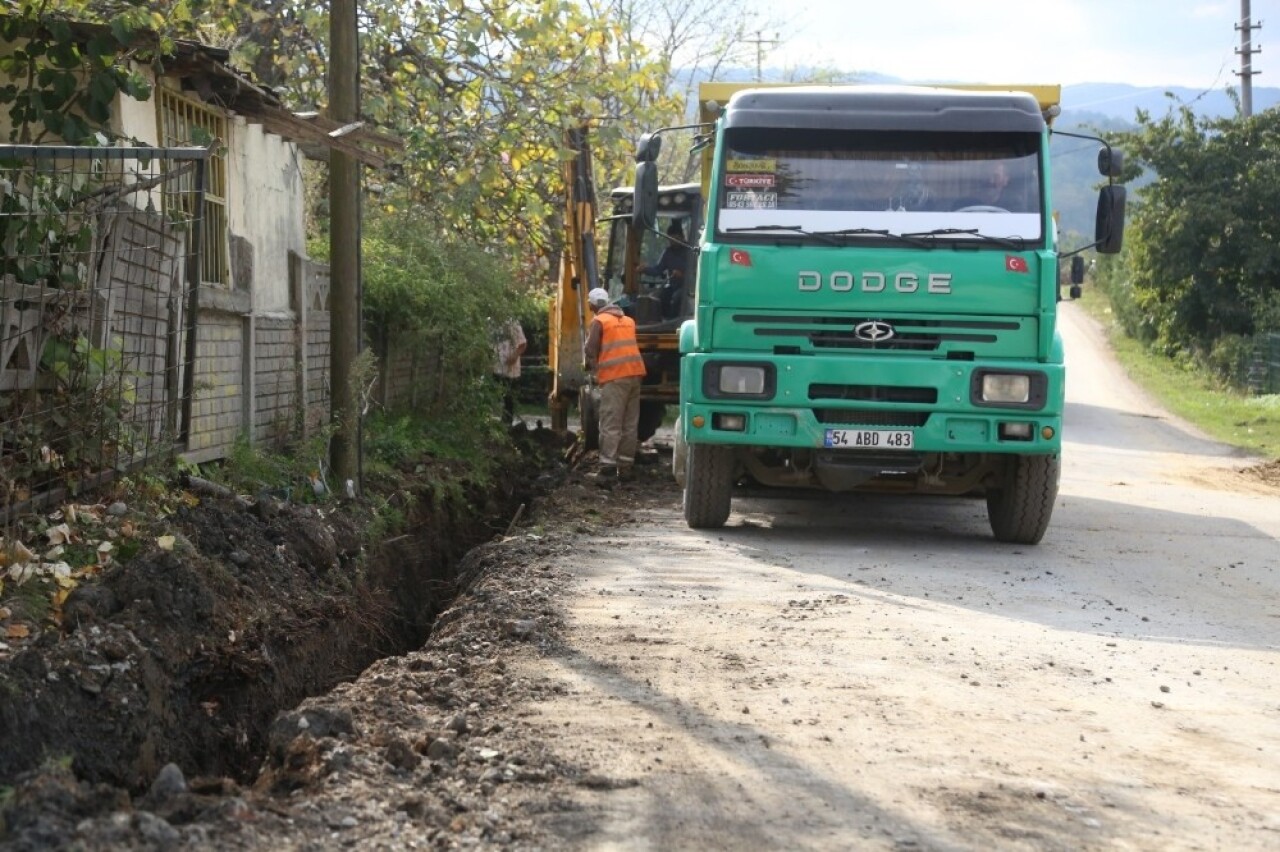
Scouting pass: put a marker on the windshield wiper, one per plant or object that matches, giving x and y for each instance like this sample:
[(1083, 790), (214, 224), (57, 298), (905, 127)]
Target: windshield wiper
[(911, 239), (791, 229), (1007, 242)]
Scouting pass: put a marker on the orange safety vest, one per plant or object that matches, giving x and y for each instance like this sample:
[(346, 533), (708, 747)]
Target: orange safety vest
[(619, 354)]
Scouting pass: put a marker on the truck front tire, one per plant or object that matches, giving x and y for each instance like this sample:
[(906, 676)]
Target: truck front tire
[(651, 414), (1020, 508), (708, 485)]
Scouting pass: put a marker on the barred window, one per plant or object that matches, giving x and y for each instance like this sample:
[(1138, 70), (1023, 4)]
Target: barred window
[(186, 122)]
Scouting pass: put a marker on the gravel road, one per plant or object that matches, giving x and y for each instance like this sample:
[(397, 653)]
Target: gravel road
[(878, 673), (823, 673)]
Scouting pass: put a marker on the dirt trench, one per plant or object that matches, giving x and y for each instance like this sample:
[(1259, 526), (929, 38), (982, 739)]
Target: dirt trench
[(186, 656)]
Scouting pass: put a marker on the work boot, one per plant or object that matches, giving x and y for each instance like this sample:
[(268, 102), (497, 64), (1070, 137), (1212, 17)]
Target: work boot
[(626, 473), (606, 476)]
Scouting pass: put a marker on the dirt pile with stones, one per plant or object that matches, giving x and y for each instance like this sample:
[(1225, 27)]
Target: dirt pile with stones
[(151, 716)]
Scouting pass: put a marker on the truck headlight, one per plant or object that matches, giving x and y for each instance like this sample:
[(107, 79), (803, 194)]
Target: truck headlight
[(742, 380), (1005, 387), (721, 380), (1027, 390)]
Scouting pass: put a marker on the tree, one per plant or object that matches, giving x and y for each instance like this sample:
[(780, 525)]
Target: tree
[(63, 80), (1203, 261)]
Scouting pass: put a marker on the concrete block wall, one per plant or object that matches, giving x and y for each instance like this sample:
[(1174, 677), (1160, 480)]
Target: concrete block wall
[(275, 362), (317, 375), (217, 405)]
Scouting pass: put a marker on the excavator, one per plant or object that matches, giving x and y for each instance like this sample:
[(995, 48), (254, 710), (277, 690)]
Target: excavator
[(659, 301)]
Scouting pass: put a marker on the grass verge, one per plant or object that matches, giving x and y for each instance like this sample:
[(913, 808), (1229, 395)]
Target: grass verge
[(1191, 392)]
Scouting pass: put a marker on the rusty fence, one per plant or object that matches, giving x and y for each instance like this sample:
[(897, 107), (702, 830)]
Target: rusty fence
[(99, 253)]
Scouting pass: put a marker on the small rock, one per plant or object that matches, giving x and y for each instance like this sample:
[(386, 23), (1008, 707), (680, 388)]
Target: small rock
[(442, 750), (1164, 689), (520, 628), (91, 681), (117, 509), (458, 724), (156, 830), (169, 782), (401, 755), (239, 557), (88, 603)]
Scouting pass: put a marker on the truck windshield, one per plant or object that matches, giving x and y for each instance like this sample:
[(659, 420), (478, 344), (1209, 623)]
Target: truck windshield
[(868, 187)]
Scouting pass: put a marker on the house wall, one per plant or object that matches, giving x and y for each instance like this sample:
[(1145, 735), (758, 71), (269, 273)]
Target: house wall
[(265, 208), (137, 119), (257, 357), (261, 366)]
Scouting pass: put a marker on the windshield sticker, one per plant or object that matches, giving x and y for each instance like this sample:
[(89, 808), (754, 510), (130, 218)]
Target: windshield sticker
[(751, 166), (751, 200), (742, 181)]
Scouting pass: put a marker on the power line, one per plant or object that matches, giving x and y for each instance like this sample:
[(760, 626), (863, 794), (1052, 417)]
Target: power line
[(760, 41)]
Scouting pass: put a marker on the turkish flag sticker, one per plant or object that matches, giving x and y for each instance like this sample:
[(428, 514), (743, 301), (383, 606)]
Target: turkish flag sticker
[(1012, 263), (738, 257)]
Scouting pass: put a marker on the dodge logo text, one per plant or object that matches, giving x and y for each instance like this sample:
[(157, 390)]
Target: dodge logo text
[(875, 282)]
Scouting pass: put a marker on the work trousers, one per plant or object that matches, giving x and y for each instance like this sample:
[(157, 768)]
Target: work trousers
[(619, 421)]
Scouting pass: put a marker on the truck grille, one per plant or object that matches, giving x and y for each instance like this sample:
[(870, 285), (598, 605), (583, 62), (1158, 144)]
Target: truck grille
[(875, 393), (837, 333)]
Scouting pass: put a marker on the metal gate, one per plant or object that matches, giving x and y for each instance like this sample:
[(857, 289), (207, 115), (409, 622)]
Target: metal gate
[(99, 249)]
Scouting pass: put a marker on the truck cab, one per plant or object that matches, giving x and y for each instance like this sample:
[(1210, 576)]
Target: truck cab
[(876, 300)]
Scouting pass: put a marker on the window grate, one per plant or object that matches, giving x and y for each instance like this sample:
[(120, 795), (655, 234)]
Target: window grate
[(185, 122)]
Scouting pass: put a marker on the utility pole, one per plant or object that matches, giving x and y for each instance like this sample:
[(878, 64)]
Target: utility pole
[(1246, 51), (344, 249), (760, 41)]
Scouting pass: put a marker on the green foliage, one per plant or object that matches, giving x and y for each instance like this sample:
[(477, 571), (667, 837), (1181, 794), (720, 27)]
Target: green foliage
[(45, 234), (442, 297), (480, 93), (63, 78), (296, 472), (72, 429), (1203, 258), (1191, 390)]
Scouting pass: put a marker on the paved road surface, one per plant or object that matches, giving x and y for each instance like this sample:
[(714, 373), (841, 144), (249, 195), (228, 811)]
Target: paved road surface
[(878, 673)]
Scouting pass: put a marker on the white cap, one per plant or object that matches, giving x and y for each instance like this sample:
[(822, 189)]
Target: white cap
[(598, 298)]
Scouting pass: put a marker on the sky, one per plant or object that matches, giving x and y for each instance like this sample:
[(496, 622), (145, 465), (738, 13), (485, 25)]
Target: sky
[(1140, 42)]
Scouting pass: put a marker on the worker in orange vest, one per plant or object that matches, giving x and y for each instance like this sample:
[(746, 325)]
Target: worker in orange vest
[(613, 356)]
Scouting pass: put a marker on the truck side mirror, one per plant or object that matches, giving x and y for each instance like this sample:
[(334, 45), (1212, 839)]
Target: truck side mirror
[(645, 212), (1110, 162), (649, 148), (1077, 270), (1109, 224)]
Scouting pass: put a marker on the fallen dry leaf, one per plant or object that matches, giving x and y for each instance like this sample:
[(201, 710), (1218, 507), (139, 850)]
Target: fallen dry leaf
[(17, 631), (166, 542), (61, 534), (15, 553)]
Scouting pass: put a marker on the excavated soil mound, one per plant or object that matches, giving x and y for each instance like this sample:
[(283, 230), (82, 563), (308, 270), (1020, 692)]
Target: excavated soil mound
[(185, 653)]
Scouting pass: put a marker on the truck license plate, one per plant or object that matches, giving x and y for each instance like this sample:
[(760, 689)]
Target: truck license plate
[(869, 439)]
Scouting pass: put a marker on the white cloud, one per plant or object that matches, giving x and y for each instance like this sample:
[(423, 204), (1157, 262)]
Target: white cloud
[(1212, 10)]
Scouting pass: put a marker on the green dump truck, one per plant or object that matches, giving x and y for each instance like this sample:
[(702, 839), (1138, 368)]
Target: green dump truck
[(876, 297)]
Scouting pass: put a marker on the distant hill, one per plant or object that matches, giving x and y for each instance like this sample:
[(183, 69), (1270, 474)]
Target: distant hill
[(1120, 100)]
